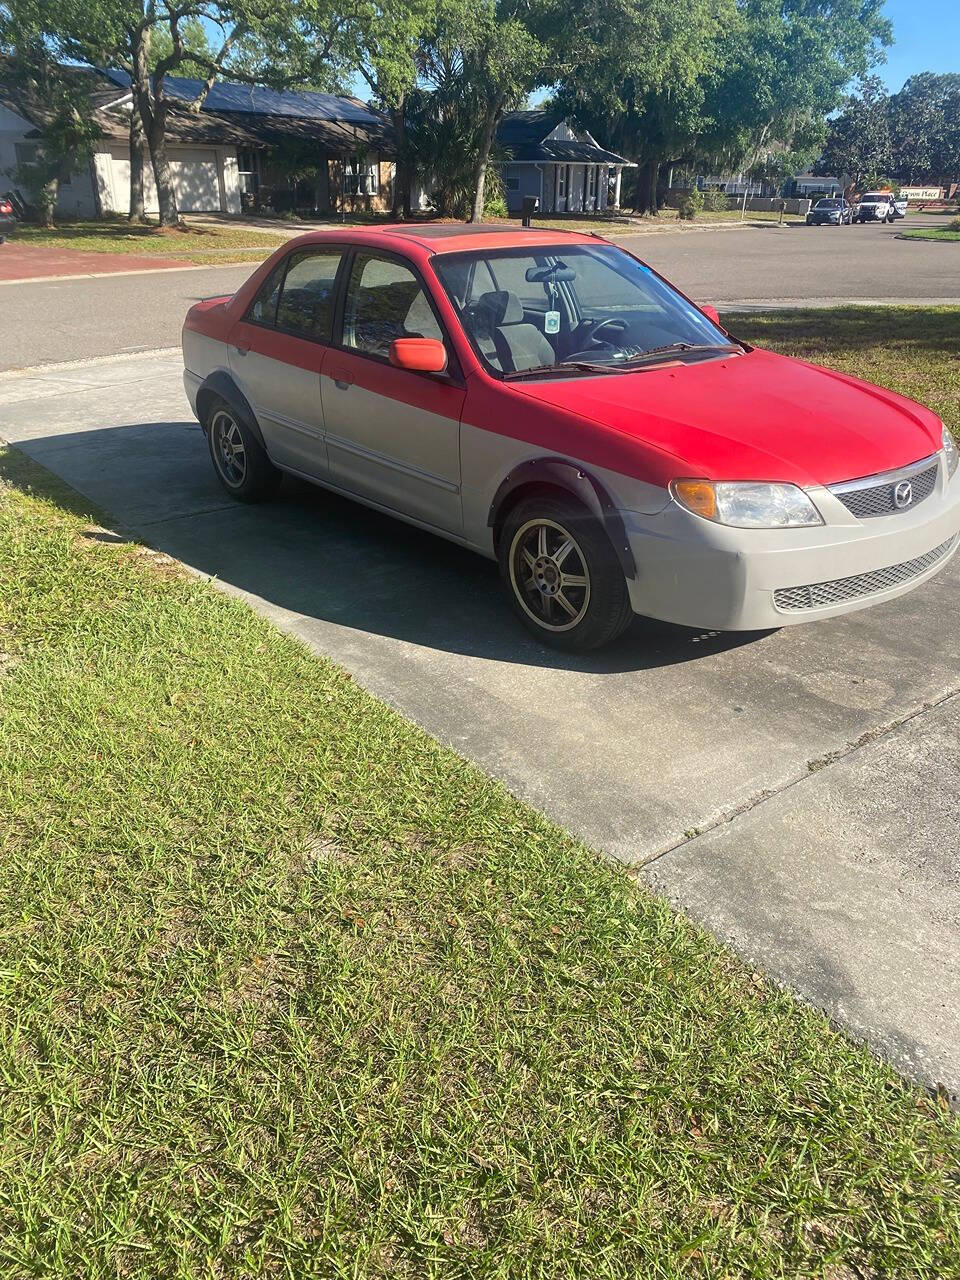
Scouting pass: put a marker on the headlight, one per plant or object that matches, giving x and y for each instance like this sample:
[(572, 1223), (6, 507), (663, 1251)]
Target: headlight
[(951, 452), (746, 505)]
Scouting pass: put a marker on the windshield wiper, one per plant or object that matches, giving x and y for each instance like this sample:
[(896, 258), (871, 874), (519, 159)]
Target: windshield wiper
[(681, 347), (579, 366)]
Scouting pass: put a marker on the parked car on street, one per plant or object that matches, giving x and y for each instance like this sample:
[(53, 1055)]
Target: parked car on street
[(832, 212), (548, 400), (876, 206), (8, 218)]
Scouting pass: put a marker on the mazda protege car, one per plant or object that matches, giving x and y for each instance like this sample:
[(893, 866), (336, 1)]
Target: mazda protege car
[(548, 400)]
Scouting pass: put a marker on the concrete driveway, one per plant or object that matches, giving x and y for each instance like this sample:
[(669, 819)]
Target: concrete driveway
[(795, 791)]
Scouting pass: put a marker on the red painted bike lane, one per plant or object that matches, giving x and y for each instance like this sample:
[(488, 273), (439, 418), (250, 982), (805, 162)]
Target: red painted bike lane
[(30, 262)]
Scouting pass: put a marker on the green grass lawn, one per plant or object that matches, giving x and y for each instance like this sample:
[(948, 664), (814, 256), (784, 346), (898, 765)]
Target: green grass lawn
[(914, 350), (933, 233), (203, 244), (287, 989)]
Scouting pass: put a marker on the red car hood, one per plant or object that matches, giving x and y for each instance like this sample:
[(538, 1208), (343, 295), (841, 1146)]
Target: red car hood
[(758, 416)]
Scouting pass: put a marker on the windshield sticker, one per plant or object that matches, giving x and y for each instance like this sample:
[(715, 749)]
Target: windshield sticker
[(552, 322)]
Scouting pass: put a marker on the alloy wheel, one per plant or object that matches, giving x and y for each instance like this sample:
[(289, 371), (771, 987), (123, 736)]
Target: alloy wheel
[(228, 449), (549, 574)]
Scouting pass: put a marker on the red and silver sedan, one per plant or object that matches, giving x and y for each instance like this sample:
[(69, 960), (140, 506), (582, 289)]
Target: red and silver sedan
[(548, 400)]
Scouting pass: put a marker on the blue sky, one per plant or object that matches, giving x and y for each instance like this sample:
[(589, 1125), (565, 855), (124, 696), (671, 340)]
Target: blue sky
[(926, 37)]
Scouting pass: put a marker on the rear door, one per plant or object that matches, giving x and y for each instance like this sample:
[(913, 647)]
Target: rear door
[(277, 349), (392, 435)]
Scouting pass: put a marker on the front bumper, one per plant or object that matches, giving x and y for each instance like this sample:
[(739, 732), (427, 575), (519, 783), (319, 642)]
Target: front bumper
[(700, 574)]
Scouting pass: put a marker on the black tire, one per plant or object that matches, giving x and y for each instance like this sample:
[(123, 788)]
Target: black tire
[(238, 457), (574, 616)]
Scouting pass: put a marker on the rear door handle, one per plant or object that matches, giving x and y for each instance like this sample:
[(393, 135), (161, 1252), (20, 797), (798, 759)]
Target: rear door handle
[(342, 378), (242, 350)]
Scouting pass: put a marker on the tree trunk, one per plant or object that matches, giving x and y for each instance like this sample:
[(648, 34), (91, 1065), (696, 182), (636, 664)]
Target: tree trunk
[(138, 148), (160, 162), (51, 189), (401, 179), (483, 159), (153, 114), (647, 181)]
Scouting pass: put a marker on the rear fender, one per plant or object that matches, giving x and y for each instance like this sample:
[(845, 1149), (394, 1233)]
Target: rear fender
[(560, 473), (220, 385)]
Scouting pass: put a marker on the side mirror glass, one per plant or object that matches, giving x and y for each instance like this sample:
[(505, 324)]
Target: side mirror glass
[(421, 355)]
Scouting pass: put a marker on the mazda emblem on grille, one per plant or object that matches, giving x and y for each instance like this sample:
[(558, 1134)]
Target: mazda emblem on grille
[(903, 495)]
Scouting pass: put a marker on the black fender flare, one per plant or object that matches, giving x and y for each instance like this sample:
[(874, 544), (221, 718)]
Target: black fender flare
[(560, 473), (221, 384)]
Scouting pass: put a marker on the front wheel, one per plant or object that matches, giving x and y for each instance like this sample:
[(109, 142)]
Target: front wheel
[(564, 580)]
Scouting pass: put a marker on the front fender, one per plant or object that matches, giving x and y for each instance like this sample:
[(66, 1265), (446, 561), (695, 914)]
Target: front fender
[(221, 385), (560, 473)]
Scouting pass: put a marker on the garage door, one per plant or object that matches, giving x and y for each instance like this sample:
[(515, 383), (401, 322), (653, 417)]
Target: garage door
[(195, 180)]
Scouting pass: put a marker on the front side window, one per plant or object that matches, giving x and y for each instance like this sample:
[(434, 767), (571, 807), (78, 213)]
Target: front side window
[(264, 307), (551, 309), (385, 300), (306, 299)]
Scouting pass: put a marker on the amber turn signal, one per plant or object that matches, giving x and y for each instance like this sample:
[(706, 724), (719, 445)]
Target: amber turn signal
[(697, 496)]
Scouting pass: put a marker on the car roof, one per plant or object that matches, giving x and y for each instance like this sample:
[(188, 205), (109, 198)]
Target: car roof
[(452, 237)]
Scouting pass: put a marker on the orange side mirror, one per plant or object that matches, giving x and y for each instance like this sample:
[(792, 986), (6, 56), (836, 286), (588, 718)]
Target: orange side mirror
[(422, 355), (712, 314)]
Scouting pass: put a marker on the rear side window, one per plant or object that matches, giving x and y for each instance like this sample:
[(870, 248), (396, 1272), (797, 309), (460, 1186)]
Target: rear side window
[(385, 300), (306, 299)]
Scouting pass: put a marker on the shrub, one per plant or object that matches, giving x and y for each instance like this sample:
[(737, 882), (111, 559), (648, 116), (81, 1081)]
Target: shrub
[(690, 205), (715, 200), (494, 195)]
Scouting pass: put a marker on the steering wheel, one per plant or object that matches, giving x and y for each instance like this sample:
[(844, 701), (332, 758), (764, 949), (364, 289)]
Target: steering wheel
[(614, 325)]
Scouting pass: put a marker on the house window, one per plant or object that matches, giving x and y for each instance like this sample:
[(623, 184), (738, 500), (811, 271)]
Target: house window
[(248, 169), (511, 179), (361, 177), (561, 182), (592, 183), (26, 152)]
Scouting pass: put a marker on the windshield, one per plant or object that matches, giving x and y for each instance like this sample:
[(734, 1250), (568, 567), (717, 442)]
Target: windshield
[(572, 309), (828, 204), (873, 199)]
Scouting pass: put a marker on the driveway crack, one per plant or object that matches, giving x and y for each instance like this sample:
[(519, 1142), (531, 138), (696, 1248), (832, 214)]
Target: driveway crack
[(813, 767)]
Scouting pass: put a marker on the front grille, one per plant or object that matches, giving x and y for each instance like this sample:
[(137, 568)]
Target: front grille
[(819, 595), (879, 500)]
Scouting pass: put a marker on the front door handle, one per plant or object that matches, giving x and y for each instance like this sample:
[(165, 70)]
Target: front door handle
[(242, 350), (342, 378), (343, 386)]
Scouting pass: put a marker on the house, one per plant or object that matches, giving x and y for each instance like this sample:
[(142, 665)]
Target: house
[(545, 156), (811, 184), (247, 145)]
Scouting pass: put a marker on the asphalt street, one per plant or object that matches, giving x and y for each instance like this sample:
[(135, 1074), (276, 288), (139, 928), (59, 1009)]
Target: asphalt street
[(794, 790), (59, 320)]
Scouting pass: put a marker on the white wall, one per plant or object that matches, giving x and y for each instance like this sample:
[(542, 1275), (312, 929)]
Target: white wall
[(76, 198)]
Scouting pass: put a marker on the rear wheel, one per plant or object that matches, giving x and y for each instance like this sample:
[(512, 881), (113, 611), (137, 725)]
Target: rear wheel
[(239, 459), (564, 579)]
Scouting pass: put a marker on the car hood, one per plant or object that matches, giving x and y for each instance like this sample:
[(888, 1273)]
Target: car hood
[(757, 416)]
